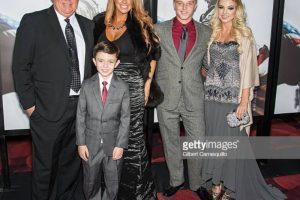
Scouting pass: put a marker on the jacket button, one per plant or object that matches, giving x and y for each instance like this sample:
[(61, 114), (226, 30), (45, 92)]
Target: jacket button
[(181, 67), (179, 81)]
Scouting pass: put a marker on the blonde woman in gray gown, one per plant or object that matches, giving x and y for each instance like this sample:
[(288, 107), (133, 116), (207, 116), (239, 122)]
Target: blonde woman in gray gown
[(231, 75)]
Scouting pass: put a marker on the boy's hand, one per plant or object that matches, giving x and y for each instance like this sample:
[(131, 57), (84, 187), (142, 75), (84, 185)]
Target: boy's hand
[(83, 152), (117, 153), (203, 72)]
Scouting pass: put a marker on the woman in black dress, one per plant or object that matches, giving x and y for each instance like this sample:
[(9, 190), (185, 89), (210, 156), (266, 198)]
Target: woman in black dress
[(126, 23)]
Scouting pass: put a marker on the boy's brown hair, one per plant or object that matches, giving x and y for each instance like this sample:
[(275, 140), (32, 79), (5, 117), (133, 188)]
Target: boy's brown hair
[(106, 47)]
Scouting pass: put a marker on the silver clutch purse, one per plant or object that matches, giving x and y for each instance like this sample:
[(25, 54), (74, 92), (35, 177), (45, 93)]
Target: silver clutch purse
[(233, 121)]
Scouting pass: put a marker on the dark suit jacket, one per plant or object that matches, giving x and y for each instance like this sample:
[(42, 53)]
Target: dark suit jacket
[(109, 122), (41, 63)]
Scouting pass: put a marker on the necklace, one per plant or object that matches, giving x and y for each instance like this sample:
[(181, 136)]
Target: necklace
[(116, 27)]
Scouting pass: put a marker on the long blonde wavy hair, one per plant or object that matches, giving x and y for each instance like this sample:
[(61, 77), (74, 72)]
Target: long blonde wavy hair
[(144, 20), (239, 27)]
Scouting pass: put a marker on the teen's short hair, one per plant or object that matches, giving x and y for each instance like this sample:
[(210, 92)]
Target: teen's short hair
[(106, 47)]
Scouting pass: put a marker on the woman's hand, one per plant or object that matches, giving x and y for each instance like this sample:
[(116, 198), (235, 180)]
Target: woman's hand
[(147, 90), (241, 110), (149, 80)]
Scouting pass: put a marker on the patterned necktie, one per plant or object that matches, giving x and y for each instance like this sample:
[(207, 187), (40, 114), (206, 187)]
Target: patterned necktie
[(104, 92), (75, 81), (183, 43)]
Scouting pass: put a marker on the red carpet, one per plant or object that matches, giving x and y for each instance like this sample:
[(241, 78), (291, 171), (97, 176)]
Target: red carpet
[(180, 195), (286, 128), (290, 185), (288, 182), (20, 161)]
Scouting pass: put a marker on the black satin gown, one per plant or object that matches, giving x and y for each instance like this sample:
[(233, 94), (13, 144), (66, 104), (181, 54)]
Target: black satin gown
[(136, 178)]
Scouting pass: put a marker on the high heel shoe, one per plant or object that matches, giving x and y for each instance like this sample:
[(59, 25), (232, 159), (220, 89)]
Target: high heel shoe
[(226, 196), (217, 195)]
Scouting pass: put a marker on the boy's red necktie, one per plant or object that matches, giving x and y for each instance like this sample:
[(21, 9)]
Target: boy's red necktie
[(104, 92)]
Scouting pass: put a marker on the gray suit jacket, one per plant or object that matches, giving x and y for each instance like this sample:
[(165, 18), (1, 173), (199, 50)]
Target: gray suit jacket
[(109, 123), (178, 79)]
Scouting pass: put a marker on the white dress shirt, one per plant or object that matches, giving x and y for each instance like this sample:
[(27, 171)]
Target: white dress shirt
[(79, 43), (108, 80)]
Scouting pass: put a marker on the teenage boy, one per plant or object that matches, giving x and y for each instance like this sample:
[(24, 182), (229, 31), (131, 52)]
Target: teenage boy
[(183, 43), (102, 124)]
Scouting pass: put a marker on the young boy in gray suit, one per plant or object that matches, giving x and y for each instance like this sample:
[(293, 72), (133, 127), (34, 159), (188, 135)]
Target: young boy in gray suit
[(102, 124)]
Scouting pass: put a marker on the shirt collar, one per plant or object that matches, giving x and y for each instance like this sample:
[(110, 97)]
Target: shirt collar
[(62, 18), (108, 79), (178, 24)]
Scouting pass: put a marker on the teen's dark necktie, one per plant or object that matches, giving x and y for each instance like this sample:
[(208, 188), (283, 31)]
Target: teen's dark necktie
[(183, 43), (71, 41), (104, 92)]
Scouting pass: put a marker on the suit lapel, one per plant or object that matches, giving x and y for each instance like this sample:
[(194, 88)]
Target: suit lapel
[(112, 88), (58, 31), (85, 36), (195, 44), (169, 37), (96, 90)]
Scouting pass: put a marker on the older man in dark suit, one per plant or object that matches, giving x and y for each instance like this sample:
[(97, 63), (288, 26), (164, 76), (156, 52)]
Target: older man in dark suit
[(52, 56)]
